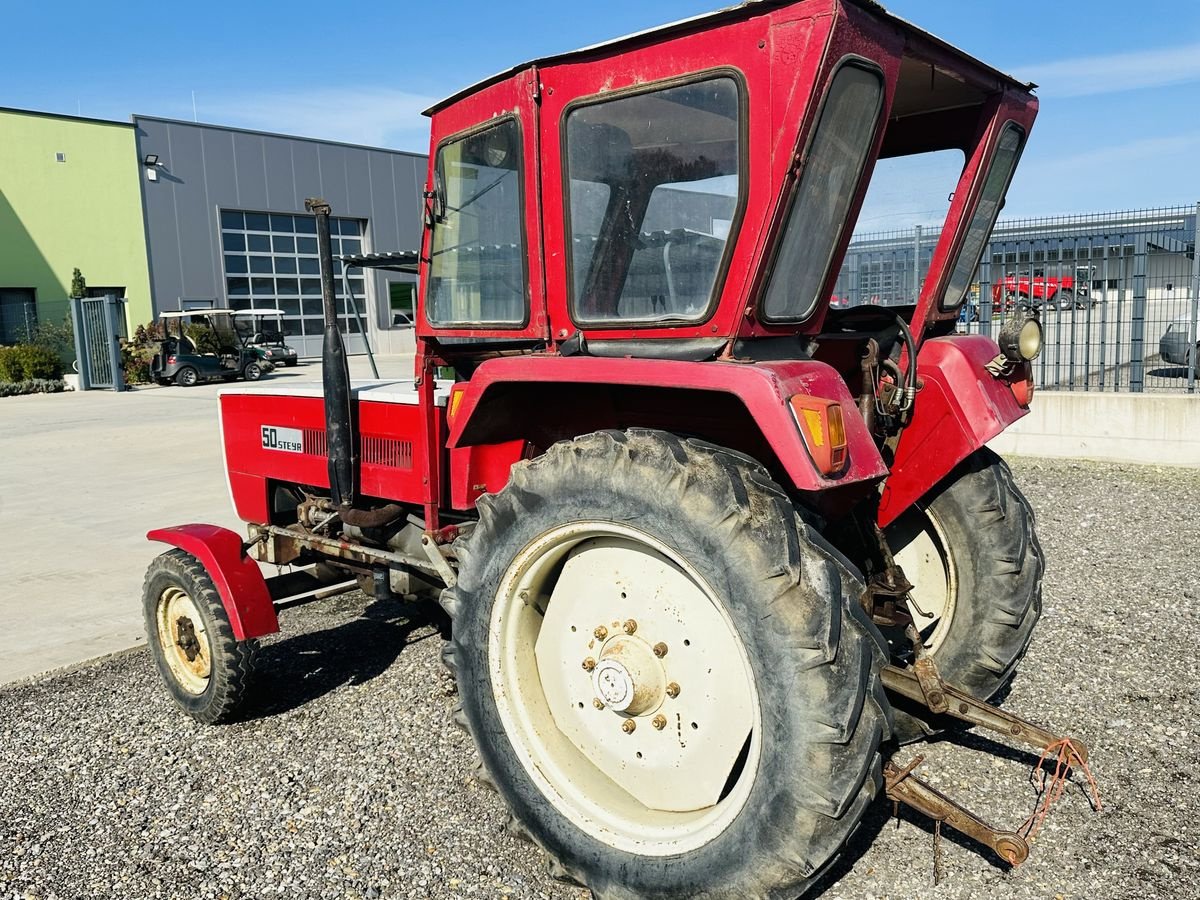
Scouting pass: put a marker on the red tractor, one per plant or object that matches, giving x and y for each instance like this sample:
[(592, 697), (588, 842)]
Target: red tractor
[(688, 522)]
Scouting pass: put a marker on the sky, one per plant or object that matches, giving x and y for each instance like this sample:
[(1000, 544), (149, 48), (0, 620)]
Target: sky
[(1120, 82)]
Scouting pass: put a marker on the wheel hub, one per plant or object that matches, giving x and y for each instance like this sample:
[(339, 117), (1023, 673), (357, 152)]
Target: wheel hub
[(629, 678)]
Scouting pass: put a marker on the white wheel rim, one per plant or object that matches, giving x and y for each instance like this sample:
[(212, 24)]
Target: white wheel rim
[(184, 640), (665, 785), (919, 545)]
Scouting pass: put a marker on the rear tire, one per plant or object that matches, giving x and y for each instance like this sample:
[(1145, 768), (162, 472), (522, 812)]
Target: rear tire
[(207, 671), (974, 559), (772, 614), (186, 377)]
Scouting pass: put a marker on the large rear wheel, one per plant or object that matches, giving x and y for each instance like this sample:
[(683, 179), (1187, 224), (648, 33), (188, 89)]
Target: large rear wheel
[(666, 672), (976, 567)]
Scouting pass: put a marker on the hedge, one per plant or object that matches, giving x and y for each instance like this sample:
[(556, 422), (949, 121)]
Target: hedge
[(33, 386), (29, 362)]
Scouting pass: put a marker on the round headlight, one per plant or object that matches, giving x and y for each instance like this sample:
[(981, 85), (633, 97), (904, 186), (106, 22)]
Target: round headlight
[(1021, 340)]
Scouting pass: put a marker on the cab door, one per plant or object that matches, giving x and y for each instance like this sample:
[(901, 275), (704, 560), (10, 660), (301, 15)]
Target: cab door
[(481, 263)]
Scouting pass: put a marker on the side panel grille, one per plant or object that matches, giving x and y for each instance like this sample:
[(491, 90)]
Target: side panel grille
[(376, 451), (314, 442), (381, 451)]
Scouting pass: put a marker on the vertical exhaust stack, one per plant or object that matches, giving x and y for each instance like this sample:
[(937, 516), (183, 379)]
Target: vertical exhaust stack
[(335, 376)]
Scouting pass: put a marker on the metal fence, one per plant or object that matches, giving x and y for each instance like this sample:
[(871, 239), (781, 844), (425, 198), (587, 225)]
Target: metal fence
[(1118, 294)]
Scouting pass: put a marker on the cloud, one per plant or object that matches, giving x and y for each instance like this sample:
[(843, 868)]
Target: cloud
[(1089, 75), (377, 117)]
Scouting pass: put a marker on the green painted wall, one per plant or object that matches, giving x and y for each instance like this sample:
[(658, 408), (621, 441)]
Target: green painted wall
[(83, 213)]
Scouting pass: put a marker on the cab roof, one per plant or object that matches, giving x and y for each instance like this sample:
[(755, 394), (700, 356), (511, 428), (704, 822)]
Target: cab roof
[(741, 10)]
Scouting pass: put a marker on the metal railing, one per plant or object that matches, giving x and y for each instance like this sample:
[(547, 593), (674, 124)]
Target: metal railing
[(1118, 294)]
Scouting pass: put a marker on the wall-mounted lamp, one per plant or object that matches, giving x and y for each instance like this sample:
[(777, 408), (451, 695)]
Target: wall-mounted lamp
[(151, 159), (151, 163)]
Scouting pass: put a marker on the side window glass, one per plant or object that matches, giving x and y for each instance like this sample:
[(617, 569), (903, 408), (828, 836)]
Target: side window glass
[(653, 187), (832, 172), (477, 253)]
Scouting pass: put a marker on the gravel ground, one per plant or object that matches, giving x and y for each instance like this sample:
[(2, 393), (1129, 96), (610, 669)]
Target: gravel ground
[(351, 782)]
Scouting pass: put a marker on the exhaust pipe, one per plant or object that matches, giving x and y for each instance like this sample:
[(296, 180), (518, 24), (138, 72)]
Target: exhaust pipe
[(335, 376)]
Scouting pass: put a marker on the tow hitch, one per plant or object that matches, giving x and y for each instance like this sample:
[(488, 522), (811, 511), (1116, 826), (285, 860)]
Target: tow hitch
[(923, 683)]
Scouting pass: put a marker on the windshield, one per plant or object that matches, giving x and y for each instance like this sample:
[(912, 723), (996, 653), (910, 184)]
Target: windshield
[(1008, 151), (653, 190), (477, 265)]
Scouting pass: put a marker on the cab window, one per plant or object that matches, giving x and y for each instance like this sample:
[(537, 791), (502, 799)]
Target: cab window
[(477, 254), (653, 188)]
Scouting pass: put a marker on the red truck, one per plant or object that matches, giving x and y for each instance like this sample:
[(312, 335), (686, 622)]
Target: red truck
[(710, 549)]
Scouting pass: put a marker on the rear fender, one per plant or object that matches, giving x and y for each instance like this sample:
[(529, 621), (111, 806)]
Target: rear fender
[(238, 580), (959, 409), (542, 399)]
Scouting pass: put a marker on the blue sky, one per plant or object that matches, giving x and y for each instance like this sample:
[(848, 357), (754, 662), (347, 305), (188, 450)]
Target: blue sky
[(1118, 126)]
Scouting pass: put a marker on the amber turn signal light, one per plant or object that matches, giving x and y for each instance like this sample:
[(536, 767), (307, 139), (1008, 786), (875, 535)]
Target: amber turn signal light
[(1022, 384), (823, 429), (456, 395)]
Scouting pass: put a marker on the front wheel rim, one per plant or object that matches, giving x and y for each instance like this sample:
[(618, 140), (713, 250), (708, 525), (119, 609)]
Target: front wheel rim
[(184, 640), (624, 688)]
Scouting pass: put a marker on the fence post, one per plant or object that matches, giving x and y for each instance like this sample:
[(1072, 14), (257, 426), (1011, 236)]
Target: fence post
[(1137, 324), (112, 341), (985, 291), (917, 264), (1195, 363)]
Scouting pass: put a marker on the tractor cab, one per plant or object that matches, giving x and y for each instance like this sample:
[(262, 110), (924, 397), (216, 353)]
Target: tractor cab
[(689, 192)]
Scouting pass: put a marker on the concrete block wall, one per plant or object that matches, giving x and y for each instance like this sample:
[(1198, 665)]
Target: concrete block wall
[(1160, 429)]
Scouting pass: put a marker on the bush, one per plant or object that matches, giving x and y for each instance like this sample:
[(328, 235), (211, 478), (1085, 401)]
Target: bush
[(26, 362), (32, 386)]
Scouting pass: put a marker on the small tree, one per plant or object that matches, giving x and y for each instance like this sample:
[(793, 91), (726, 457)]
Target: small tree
[(78, 285)]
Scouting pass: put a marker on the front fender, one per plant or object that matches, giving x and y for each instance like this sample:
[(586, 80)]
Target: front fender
[(515, 397), (236, 576), (960, 408)]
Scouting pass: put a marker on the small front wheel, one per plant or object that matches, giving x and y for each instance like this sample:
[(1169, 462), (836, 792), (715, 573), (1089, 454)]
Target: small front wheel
[(252, 372), (206, 669)]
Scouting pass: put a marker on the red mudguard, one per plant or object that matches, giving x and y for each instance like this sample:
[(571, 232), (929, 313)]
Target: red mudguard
[(238, 579), (959, 409)]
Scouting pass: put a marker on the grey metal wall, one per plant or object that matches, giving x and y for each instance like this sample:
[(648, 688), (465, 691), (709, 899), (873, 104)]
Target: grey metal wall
[(206, 168)]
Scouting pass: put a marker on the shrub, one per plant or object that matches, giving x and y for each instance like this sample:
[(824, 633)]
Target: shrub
[(32, 386), (10, 365), (39, 362)]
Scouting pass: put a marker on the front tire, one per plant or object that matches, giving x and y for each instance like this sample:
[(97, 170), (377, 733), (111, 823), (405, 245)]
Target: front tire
[(207, 671), (615, 544), (976, 566), (252, 372)]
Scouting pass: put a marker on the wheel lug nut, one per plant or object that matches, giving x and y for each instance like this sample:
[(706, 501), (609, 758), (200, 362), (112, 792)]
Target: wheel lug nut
[(630, 626), (660, 649), (672, 690), (601, 632), (628, 726), (598, 703), (589, 664), (660, 721)]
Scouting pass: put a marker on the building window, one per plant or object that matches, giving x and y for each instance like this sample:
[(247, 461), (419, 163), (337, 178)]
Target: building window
[(401, 301), (18, 314), (271, 263)]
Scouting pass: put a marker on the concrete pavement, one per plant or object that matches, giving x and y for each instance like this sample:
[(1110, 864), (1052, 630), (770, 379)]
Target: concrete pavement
[(83, 477)]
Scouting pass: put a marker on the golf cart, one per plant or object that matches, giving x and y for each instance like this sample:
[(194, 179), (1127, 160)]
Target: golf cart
[(262, 331), (205, 347)]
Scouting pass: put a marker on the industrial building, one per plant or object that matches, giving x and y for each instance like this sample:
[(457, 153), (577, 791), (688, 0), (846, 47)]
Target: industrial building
[(181, 215)]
